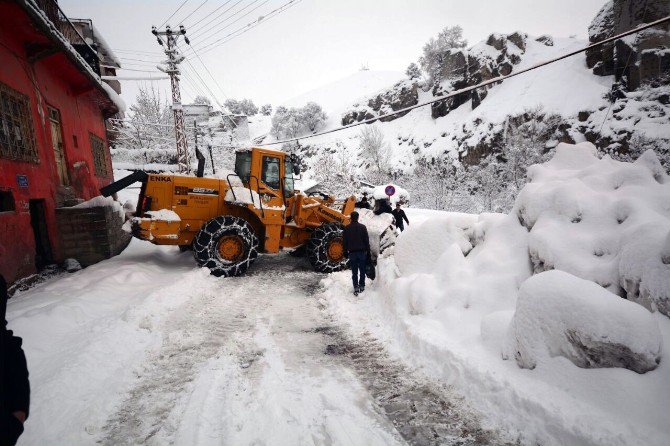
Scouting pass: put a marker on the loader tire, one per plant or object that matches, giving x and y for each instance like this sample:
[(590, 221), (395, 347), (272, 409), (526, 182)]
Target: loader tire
[(226, 245), (325, 249)]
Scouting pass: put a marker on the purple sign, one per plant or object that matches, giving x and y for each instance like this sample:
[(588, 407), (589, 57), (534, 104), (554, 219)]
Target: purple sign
[(390, 190)]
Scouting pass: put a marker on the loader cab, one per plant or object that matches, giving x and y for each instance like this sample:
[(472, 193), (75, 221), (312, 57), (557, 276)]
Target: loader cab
[(270, 170)]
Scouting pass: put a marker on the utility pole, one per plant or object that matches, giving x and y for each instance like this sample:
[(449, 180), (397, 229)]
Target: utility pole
[(174, 58)]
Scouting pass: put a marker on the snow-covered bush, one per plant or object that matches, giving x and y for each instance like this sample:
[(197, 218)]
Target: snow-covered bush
[(202, 100), (266, 110), (558, 314), (601, 220), (294, 122), (241, 107)]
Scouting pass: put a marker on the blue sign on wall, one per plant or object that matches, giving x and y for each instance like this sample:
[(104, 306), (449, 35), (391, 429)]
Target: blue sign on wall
[(22, 180), (390, 190)]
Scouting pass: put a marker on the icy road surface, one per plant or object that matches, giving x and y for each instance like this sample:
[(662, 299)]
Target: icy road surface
[(145, 348)]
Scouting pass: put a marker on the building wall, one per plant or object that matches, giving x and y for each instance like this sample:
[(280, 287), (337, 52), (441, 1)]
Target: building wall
[(52, 81)]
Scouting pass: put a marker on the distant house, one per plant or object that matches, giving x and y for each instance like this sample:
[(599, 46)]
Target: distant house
[(196, 112), (53, 145)]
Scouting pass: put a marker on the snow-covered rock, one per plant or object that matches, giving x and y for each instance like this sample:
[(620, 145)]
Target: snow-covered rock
[(558, 314), (601, 220)]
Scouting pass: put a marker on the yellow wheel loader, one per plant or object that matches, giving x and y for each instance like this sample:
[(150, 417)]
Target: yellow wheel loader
[(228, 222)]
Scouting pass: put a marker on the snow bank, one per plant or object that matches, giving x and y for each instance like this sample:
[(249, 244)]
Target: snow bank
[(446, 301), (601, 220), (558, 314)]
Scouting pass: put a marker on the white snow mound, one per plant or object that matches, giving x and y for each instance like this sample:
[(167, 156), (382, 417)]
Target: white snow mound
[(558, 314), (601, 220)]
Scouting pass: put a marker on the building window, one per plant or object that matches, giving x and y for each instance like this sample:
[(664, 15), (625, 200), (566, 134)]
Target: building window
[(6, 201), (17, 134), (99, 158)]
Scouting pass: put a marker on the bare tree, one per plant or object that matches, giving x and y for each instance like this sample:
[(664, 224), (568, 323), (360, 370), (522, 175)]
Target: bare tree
[(375, 150)]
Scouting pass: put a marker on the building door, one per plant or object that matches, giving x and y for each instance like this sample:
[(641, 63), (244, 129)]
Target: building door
[(57, 142), (38, 221)]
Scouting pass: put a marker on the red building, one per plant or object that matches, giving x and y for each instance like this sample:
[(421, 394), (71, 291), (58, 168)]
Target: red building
[(53, 144)]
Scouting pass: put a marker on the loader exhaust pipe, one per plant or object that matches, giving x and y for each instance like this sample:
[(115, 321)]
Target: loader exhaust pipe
[(201, 163)]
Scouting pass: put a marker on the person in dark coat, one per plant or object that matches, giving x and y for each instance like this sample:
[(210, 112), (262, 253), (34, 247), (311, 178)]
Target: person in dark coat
[(382, 206), (356, 247), (399, 215), (364, 203), (14, 385)]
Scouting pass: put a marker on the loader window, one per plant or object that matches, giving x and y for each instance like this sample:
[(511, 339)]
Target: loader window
[(270, 175), (288, 178), (243, 165)]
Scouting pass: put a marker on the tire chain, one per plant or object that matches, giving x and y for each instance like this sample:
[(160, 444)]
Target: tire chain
[(204, 245), (317, 248)]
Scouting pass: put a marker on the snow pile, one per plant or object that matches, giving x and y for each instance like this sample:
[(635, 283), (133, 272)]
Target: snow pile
[(101, 201), (558, 314), (448, 299), (379, 193), (242, 195), (420, 250), (601, 220), (379, 231)]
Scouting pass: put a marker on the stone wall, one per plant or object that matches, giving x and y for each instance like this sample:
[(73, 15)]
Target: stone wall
[(90, 234)]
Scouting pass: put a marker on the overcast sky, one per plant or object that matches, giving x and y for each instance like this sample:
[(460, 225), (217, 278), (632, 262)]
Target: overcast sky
[(314, 42)]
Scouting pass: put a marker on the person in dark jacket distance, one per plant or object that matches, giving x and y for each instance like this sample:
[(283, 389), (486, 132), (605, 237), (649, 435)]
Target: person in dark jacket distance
[(356, 247), (14, 385), (364, 203), (382, 206), (399, 216)]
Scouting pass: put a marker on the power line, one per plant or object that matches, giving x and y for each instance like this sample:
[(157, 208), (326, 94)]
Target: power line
[(192, 12), (216, 31), (139, 60), (208, 72), (249, 26), (121, 50), (140, 71), (481, 84), (216, 17), (166, 20)]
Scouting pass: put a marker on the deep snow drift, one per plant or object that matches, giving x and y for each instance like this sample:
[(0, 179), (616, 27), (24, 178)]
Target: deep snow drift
[(446, 300)]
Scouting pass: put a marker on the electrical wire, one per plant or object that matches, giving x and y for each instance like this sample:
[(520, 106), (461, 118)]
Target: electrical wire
[(166, 20), (249, 26), (228, 25), (192, 12), (481, 84), (197, 30)]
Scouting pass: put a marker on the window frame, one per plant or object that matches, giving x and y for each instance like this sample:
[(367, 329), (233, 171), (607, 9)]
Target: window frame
[(265, 169), (16, 113), (100, 164)]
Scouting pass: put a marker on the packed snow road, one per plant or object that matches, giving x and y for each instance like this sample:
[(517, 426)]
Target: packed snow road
[(146, 349)]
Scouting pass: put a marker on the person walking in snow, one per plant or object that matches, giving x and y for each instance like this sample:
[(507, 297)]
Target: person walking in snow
[(356, 247), (14, 385), (399, 215)]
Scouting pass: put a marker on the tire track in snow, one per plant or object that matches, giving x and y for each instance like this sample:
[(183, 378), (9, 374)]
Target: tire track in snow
[(423, 413), (196, 332)]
